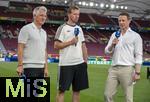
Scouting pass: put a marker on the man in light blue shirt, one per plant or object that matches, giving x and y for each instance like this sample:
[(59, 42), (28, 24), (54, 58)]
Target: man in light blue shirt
[(126, 49)]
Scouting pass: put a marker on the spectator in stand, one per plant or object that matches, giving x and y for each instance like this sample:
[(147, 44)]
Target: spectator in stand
[(16, 32)]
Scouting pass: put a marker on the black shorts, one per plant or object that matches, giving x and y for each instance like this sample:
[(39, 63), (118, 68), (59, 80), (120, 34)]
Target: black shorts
[(75, 75), (34, 72)]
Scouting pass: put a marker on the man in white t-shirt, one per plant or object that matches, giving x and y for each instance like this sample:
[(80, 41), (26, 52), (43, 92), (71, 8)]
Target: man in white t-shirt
[(32, 41), (70, 42)]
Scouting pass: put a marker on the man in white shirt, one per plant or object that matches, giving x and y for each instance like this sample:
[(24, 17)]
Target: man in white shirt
[(70, 42), (32, 42), (125, 46)]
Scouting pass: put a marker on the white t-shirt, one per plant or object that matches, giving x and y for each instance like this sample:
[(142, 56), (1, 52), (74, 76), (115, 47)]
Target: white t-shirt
[(71, 55), (35, 41)]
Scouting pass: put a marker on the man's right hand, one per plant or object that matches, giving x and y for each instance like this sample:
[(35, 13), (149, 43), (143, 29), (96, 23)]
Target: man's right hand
[(115, 41), (74, 41), (19, 70)]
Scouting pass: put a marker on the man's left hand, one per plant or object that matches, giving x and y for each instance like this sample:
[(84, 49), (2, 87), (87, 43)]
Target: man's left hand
[(46, 72), (136, 77)]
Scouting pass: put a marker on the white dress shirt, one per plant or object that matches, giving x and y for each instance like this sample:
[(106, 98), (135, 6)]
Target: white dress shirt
[(128, 51)]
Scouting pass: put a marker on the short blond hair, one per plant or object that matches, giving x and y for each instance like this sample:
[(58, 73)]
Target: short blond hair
[(72, 8)]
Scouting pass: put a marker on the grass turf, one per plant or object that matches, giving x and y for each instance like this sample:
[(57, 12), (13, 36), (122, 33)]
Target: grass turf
[(97, 77)]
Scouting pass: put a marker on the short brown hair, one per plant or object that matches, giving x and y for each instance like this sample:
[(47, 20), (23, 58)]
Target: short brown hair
[(72, 8), (125, 14)]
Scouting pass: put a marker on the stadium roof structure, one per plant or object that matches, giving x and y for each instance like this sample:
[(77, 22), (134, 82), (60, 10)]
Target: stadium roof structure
[(136, 8)]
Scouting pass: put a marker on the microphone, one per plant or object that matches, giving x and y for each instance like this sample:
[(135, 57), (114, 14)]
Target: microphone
[(76, 32), (117, 34), (22, 77)]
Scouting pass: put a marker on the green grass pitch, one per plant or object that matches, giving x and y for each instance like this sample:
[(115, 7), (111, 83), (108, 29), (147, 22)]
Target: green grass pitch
[(97, 77)]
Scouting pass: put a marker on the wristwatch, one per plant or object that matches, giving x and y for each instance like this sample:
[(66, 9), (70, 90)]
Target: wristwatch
[(137, 73)]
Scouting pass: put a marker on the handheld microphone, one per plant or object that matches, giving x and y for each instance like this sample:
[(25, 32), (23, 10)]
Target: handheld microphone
[(117, 34), (76, 32), (22, 77)]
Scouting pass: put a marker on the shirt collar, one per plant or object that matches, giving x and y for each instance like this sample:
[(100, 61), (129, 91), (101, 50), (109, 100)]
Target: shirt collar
[(35, 27), (129, 29), (70, 25)]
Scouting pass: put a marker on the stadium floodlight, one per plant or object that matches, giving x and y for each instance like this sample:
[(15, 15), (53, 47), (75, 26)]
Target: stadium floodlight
[(80, 3), (126, 7), (65, 1), (83, 3), (101, 5), (106, 5), (115, 0), (112, 6), (91, 4), (122, 7), (96, 4), (86, 4), (117, 7)]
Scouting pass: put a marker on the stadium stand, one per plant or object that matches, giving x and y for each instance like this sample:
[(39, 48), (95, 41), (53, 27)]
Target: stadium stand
[(97, 28)]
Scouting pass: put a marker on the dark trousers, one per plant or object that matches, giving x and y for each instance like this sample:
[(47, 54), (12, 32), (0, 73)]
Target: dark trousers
[(34, 72)]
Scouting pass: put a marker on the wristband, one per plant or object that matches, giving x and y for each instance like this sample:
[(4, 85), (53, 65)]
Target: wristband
[(20, 65)]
